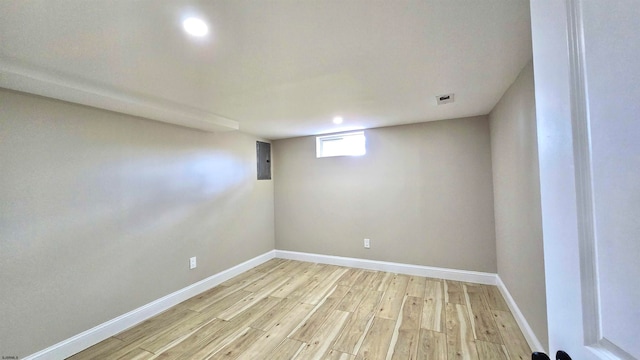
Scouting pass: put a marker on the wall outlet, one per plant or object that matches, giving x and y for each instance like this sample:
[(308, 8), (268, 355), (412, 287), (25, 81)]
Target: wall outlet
[(367, 243), (192, 263)]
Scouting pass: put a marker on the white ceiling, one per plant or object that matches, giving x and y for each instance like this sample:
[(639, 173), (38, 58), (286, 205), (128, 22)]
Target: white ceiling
[(278, 68)]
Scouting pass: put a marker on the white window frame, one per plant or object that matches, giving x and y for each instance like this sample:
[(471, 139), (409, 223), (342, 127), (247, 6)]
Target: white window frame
[(321, 140)]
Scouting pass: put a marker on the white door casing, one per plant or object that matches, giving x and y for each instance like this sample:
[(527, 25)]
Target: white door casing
[(587, 77)]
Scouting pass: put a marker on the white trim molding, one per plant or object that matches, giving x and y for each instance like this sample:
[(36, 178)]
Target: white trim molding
[(20, 76), (112, 327), (426, 271), (528, 333), (594, 338), (399, 268), (584, 183)]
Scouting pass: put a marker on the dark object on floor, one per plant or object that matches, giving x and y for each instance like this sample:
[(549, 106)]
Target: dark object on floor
[(560, 355), (539, 356)]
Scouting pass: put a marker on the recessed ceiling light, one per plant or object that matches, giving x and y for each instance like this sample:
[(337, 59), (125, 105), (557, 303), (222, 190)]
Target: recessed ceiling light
[(337, 120), (196, 27)]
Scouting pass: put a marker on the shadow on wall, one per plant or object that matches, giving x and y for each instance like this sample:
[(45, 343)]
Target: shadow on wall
[(106, 210), (100, 212), (137, 196)]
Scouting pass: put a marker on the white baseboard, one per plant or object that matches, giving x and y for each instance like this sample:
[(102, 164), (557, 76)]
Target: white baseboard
[(399, 268), (427, 271), (528, 333), (112, 327)]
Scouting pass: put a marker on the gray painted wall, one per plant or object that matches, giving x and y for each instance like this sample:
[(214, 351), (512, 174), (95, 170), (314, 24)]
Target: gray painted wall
[(100, 212), (422, 194), (516, 187), (95, 207)]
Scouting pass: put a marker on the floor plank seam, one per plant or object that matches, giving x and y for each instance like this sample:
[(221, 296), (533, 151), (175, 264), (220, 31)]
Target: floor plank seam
[(287, 309)]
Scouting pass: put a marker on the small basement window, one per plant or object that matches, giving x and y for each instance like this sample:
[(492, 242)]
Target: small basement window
[(346, 144)]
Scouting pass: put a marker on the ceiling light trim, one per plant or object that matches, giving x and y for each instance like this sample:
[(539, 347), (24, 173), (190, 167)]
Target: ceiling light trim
[(19, 76)]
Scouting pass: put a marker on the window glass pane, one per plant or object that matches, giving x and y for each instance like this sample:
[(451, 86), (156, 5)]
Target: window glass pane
[(351, 144)]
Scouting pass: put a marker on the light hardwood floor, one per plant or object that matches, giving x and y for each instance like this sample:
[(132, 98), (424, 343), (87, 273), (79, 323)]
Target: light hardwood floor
[(287, 309)]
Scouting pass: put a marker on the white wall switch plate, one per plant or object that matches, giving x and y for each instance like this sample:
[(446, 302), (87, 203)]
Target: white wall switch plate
[(367, 243), (192, 263)]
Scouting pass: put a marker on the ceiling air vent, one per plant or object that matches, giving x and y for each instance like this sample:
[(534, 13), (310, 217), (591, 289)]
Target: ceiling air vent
[(444, 99)]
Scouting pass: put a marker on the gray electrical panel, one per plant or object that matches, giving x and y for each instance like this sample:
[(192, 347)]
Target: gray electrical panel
[(263, 154)]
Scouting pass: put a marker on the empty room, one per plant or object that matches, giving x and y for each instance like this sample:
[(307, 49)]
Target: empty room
[(283, 179)]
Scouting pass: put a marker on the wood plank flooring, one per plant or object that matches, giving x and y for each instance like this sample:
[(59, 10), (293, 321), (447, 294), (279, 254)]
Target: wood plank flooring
[(286, 309)]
